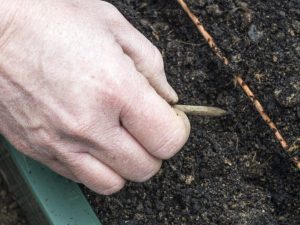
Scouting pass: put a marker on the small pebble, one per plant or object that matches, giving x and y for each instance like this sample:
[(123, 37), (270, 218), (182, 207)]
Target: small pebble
[(297, 49), (228, 162), (138, 217), (236, 58), (202, 3), (214, 10), (282, 14), (254, 34), (189, 179), (243, 5), (275, 58)]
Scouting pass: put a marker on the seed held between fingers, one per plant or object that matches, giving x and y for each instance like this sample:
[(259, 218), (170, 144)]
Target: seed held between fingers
[(196, 110)]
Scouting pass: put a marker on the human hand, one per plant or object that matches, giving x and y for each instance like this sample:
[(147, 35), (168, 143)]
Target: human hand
[(85, 93)]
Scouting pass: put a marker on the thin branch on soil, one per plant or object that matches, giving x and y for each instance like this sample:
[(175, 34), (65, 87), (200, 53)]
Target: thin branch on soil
[(261, 110), (295, 147), (209, 39), (217, 51)]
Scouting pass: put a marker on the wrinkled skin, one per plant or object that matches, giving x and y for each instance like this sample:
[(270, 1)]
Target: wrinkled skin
[(85, 93)]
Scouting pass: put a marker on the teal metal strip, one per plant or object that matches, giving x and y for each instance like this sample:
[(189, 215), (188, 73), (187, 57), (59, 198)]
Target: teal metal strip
[(61, 201)]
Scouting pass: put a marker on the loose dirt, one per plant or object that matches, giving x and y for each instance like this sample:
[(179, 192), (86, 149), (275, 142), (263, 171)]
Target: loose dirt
[(232, 170), (10, 213)]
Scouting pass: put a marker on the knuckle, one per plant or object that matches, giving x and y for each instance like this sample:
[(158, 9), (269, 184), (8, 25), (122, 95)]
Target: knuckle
[(77, 129), (45, 138), (158, 62), (154, 66), (111, 95), (72, 129)]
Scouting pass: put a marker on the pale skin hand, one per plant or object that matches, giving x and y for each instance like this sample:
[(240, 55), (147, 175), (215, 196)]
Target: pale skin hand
[(85, 93)]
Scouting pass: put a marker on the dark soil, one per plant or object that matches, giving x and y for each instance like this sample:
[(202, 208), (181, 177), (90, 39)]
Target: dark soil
[(10, 213), (232, 170)]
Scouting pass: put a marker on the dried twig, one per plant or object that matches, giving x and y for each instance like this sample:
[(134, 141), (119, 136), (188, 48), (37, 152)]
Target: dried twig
[(261, 111), (239, 80), (204, 33)]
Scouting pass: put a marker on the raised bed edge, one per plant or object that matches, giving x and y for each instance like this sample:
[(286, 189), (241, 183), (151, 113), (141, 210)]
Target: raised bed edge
[(45, 197)]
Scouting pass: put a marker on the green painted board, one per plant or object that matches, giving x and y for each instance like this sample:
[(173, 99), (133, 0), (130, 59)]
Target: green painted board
[(46, 198)]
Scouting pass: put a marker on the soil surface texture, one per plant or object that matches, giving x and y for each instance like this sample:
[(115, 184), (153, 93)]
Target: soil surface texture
[(10, 213), (232, 170)]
